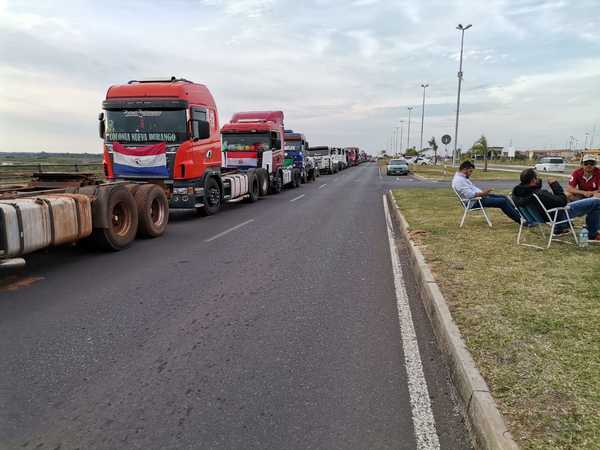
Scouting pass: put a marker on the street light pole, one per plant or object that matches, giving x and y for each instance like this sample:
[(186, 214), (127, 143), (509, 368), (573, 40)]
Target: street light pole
[(424, 86), (396, 140), (410, 108), (460, 76), (401, 134)]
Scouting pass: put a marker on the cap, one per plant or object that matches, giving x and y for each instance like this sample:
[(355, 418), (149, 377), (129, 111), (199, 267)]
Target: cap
[(588, 158)]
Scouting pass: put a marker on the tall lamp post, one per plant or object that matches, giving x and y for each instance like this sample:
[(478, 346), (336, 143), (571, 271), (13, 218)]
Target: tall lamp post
[(396, 140), (460, 76), (401, 134), (424, 86), (410, 108)]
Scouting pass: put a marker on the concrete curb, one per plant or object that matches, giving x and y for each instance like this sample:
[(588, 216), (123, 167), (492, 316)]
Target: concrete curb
[(480, 408)]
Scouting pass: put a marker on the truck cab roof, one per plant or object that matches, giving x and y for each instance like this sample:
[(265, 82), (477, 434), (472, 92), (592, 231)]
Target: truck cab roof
[(177, 89)]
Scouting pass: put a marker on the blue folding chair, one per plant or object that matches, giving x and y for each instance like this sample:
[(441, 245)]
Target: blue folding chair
[(536, 219)]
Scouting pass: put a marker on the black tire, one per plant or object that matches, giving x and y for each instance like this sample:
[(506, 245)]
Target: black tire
[(253, 190), (263, 182), (153, 210), (277, 185), (304, 178), (212, 198), (296, 181), (122, 217)]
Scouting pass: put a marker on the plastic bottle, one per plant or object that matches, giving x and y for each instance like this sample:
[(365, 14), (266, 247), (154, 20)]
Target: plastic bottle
[(583, 237)]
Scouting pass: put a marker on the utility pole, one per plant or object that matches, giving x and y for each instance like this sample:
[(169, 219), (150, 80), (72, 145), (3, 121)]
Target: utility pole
[(424, 86), (410, 108), (460, 77)]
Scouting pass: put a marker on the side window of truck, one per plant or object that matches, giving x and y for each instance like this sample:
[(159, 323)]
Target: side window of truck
[(199, 114)]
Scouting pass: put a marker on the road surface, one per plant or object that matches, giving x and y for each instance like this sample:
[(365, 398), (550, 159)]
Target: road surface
[(267, 326)]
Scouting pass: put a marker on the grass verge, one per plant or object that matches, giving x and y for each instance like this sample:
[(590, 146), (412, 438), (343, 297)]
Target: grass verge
[(531, 319), (441, 173)]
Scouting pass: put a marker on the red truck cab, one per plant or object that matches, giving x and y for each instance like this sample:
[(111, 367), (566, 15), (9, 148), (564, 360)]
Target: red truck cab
[(142, 120), (254, 137)]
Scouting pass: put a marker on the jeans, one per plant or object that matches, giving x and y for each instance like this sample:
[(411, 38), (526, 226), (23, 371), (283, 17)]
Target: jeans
[(589, 207), (502, 202)]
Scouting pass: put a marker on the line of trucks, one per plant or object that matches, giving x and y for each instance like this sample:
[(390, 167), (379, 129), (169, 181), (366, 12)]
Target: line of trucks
[(163, 149)]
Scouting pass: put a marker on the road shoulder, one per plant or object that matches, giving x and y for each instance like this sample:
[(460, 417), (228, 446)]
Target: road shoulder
[(487, 424)]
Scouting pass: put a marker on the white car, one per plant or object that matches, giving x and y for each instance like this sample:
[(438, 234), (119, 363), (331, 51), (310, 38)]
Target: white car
[(551, 164), (419, 161)]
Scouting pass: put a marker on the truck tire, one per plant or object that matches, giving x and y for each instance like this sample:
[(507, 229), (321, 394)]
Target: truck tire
[(122, 222), (212, 198), (305, 177), (153, 210), (263, 182), (254, 190), (296, 181), (277, 184)]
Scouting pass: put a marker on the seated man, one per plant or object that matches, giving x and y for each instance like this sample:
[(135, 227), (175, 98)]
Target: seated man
[(467, 190), (585, 181), (532, 184)]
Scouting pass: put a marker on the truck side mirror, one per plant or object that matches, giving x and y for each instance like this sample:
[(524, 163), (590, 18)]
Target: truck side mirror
[(200, 129), (101, 125)]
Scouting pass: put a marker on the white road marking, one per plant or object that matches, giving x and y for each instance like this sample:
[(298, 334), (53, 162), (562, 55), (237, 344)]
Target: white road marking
[(323, 185), (217, 236), (422, 415), (297, 198)]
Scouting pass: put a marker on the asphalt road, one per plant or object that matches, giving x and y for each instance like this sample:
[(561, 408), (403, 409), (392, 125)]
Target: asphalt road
[(267, 326)]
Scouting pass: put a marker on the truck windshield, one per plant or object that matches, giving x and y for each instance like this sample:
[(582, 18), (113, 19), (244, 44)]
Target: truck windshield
[(324, 151), (246, 141), (293, 145), (397, 162), (141, 126)]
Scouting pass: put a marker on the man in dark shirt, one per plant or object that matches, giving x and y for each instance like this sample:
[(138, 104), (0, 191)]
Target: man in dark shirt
[(530, 184)]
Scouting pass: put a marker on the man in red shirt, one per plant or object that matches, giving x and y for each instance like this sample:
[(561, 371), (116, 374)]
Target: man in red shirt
[(585, 181)]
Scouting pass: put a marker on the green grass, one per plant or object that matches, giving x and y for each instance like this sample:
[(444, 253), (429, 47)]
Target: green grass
[(530, 318), (445, 173)]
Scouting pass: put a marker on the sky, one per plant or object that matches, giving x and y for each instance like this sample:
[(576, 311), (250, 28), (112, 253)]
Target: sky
[(343, 71)]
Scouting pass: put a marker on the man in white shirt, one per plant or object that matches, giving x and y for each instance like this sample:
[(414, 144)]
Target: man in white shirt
[(467, 190)]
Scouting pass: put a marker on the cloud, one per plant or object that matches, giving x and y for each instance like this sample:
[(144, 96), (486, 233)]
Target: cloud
[(344, 72)]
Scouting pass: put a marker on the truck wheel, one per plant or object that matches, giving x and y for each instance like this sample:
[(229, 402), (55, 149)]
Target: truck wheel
[(254, 190), (122, 222), (297, 179), (212, 198), (277, 184), (263, 182), (305, 178), (153, 210)]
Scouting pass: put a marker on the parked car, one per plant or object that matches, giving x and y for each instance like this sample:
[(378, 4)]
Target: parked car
[(551, 164), (422, 161), (397, 167)]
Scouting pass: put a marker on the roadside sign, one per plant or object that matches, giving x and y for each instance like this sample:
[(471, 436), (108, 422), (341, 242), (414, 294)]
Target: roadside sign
[(446, 139)]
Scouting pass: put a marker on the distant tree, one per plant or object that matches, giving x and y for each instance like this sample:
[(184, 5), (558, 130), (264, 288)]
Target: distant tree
[(480, 147), (434, 147), (411, 152)]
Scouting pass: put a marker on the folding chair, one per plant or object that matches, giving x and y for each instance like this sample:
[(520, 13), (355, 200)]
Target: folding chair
[(471, 204), (533, 219)]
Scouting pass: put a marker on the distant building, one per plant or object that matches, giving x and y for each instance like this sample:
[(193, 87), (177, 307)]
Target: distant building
[(540, 153)]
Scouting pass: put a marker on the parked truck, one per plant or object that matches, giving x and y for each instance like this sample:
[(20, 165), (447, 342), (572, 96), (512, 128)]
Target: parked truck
[(254, 141), (352, 156), (325, 158), (338, 155), (296, 155), (162, 149)]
